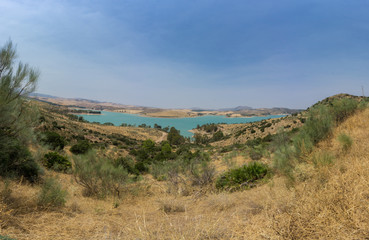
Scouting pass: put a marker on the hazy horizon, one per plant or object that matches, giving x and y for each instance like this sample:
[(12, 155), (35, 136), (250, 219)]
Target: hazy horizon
[(183, 54), (190, 107)]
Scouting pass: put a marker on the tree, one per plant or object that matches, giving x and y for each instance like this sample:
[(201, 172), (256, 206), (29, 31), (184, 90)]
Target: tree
[(174, 137), (15, 85), (16, 113)]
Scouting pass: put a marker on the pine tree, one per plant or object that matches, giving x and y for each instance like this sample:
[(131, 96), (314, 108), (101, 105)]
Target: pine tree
[(17, 116)]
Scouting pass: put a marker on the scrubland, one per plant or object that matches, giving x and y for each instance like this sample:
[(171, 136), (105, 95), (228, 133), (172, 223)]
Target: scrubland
[(327, 198)]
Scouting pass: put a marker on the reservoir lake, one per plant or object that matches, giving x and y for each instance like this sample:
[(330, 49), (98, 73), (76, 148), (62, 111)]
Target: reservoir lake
[(182, 124)]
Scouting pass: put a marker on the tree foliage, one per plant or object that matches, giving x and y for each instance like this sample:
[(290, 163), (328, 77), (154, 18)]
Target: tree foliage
[(17, 115), (174, 137)]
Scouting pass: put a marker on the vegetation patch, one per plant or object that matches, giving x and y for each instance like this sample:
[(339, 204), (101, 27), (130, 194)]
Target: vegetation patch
[(57, 162), (243, 177), (345, 141), (81, 147), (54, 140), (99, 176), (51, 194)]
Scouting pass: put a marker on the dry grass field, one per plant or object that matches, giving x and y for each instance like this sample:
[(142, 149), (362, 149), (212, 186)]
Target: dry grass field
[(329, 200)]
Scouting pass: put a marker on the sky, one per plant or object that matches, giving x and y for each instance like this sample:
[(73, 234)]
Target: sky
[(199, 53)]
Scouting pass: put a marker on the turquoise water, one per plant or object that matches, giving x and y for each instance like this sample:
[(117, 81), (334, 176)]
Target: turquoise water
[(182, 124)]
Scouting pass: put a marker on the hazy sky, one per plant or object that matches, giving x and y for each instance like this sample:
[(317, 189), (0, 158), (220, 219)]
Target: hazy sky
[(193, 53)]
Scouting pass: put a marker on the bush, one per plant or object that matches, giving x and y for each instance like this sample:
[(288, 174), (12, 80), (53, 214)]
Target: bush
[(51, 194), (323, 159), (57, 162), (255, 155), (6, 238), (16, 160), (174, 137), (343, 108), (346, 141), (218, 136), (54, 140), (202, 174), (98, 175), (160, 170), (127, 163), (318, 125), (81, 147), (245, 176)]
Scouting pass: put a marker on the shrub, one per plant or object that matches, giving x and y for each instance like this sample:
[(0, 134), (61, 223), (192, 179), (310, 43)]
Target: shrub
[(202, 174), (343, 108), (57, 162), (255, 154), (141, 167), (174, 137), (201, 139), (98, 175), (323, 159), (284, 159), (6, 238), (317, 126), (51, 194), (16, 160), (346, 141), (160, 170), (171, 206), (54, 140), (127, 163), (218, 136), (81, 147), (245, 176)]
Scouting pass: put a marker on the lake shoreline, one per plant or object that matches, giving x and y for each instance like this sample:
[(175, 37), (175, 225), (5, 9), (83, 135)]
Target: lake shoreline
[(182, 124)]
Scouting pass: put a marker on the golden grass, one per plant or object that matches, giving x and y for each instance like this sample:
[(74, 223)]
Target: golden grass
[(327, 202)]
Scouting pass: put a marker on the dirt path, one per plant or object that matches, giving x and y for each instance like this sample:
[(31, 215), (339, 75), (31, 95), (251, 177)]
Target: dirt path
[(162, 138)]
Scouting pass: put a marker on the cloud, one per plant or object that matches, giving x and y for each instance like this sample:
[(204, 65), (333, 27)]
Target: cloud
[(184, 54)]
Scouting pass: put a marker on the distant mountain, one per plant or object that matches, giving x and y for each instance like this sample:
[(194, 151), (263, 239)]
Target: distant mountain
[(99, 105), (41, 95), (197, 109), (239, 108)]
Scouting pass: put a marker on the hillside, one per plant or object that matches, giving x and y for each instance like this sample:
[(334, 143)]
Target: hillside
[(158, 112), (327, 197)]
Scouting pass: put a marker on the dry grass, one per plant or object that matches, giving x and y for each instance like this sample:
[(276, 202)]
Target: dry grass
[(327, 202)]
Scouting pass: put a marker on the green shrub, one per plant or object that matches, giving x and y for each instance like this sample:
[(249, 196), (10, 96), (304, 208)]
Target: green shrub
[(345, 140), (343, 108), (52, 195), (99, 176), (81, 147), (317, 126), (54, 140), (141, 167), (5, 238), (174, 137), (201, 139), (284, 159), (159, 170), (127, 163), (218, 136), (255, 154), (57, 162), (244, 176), (202, 174), (16, 160), (323, 159)]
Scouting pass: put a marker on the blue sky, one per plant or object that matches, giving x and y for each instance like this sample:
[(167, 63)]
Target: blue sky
[(199, 53)]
